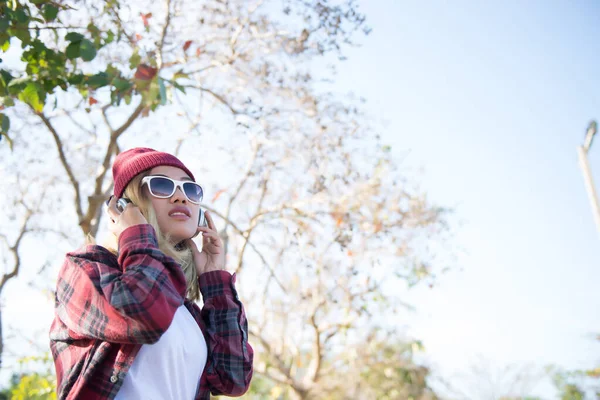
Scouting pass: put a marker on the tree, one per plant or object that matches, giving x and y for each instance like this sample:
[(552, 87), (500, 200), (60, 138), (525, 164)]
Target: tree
[(484, 380), (384, 369), (318, 219), (577, 384), (58, 63), (33, 382)]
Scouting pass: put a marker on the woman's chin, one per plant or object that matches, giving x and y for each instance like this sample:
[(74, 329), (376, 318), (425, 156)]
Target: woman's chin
[(177, 237)]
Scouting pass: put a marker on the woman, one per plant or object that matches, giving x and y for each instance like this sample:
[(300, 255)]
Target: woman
[(125, 325)]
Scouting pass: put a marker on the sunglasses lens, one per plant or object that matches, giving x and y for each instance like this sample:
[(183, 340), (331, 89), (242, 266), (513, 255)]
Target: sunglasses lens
[(193, 191), (161, 187)]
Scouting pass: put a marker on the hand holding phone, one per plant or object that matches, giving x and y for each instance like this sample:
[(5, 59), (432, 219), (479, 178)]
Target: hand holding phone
[(122, 203), (123, 214)]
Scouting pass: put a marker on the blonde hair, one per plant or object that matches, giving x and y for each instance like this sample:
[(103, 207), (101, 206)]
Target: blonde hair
[(181, 254)]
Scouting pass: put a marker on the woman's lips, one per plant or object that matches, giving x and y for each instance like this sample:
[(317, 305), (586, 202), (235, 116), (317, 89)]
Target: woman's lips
[(179, 217)]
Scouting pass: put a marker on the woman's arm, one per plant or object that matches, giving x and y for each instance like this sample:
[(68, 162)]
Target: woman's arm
[(132, 302), (229, 365)]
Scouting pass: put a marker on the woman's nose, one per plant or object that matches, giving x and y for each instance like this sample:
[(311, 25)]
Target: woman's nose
[(178, 195)]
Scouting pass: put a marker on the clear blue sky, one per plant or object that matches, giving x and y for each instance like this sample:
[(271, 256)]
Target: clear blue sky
[(492, 98)]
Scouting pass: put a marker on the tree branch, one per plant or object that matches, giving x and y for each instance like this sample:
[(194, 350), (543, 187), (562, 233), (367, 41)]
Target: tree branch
[(79, 125), (272, 377), (65, 163), (281, 367), (14, 249), (253, 221), (220, 98), (315, 365), (243, 234), (161, 43)]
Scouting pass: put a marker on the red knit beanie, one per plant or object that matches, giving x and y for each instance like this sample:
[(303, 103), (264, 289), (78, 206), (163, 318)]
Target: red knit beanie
[(139, 159)]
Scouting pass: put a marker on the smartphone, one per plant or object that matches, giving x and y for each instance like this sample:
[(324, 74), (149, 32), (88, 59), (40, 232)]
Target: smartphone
[(121, 203), (202, 219)]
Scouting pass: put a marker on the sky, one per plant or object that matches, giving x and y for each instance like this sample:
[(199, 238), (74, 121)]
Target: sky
[(491, 100)]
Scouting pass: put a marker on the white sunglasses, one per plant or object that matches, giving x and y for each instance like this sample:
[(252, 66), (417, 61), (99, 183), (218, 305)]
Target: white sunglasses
[(164, 187)]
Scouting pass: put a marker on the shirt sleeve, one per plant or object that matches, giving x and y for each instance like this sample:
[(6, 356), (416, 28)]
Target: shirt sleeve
[(230, 356), (132, 301)]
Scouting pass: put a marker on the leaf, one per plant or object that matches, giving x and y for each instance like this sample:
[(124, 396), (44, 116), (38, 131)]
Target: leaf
[(6, 102), (180, 74), (87, 50), (121, 85), (151, 94), (218, 194), (31, 96), (145, 72), (49, 12), (179, 87), (339, 218), (5, 78), (93, 29), (5, 46), (112, 71), (20, 16), (4, 23), (163, 91), (187, 45), (75, 79), (10, 142), (4, 123), (145, 18), (73, 50), (22, 33), (110, 36), (98, 80), (135, 59), (73, 37), (377, 227), (19, 83)]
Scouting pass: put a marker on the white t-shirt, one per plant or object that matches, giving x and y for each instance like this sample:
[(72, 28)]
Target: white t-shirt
[(169, 369)]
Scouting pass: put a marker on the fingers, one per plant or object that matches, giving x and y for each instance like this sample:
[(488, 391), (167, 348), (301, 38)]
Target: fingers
[(206, 229), (212, 235), (212, 249), (113, 212), (111, 208), (210, 221)]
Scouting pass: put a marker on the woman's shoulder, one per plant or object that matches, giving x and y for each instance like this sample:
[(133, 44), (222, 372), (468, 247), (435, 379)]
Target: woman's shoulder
[(92, 252), (89, 262)]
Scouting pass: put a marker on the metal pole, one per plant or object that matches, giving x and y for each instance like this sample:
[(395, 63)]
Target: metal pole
[(589, 184)]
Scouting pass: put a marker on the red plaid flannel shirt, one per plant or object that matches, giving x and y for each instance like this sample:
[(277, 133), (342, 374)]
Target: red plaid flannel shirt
[(107, 307)]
